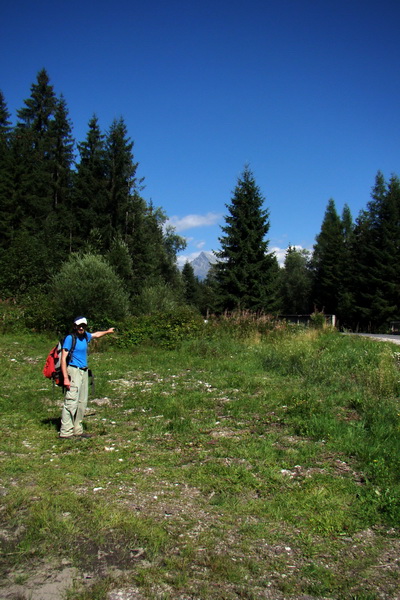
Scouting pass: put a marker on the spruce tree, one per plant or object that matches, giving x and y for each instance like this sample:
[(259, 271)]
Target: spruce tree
[(42, 154), (39, 108), (246, 273), (120, 259), (345, 310), (376, 256), (60, 223), (7, 211), (327, 262), (333, 267), (121, 181), (62, 154), (34, 154), (295, 282), (155, 249), (90, 187), (191, 285)]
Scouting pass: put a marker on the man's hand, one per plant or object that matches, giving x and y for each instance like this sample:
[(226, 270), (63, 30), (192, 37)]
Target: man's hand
[(67, 383)]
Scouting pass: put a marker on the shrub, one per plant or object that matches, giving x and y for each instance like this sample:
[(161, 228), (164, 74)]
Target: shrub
[(12, 317), (153, 299), (166, 329), (243, 324), (40, 312), (88, 285), (318, 320)]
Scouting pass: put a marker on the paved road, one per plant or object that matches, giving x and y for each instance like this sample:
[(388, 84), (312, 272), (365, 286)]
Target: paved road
[(395, 339)]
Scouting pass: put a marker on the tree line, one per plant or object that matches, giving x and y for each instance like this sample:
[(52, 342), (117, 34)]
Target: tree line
[(53, 204), (71, 210), (352, 272)]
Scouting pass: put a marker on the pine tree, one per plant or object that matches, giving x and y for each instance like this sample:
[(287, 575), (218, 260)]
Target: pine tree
[(246, 273), (42, 154), (376, 256), (34, 154), (345, 309), (154, 249), (327, 262), (121, 180), (5, 123), (120, 259), (60, 223), (39, 108), (389, 254), (295, 283), (90, 187), (62, 154), (6, 180), (191, 285)]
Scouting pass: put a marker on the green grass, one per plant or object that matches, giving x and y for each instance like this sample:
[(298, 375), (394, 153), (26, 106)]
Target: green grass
[(226, 468)]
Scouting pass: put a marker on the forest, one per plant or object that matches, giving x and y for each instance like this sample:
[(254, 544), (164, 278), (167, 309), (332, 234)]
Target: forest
[(75, 231)]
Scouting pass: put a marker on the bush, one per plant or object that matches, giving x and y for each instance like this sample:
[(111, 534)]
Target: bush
[(166, 329), (88, 285), (40, 312), (318, 320), (243, 324), (153, 299), (12, 317)]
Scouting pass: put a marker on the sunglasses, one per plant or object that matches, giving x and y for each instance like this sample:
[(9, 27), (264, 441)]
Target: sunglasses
[(81, 326)]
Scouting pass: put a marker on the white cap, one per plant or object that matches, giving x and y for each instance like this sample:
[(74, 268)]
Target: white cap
[(80, 321)]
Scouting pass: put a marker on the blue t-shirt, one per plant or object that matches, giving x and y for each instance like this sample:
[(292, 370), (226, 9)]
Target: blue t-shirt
[(79, 355)]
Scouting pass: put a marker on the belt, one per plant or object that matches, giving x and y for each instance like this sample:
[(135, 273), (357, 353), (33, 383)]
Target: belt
[(80, 368)]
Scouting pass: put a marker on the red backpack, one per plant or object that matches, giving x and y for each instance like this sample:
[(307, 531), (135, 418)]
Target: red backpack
[(52, 367)]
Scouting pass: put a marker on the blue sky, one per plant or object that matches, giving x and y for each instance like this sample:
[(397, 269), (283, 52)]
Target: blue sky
[(306, 92)]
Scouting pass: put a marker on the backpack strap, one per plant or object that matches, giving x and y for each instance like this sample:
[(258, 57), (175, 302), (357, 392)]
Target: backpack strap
[(70, 351), (72, 347)]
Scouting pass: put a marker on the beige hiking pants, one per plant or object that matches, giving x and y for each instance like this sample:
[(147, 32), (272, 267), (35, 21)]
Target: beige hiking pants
[(75, 403)]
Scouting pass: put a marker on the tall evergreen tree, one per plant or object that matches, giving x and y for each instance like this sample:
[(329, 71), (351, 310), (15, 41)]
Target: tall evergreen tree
[(154, 248), (345, 310), (121, 180), (327, 262), (377, 254), (120, 259), (295, 286), (39, 108), (34, 154), (116, 220), (6, 180), (191, 285), (60, 223), (5, 123), (246, 273), (42, 158), (62, 154), (90, 186)]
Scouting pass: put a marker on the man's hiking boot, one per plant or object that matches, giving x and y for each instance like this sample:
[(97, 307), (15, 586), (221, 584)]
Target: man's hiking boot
[(84, 436)]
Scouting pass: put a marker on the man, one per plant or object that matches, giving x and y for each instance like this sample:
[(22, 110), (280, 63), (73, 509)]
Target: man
[(75, 376)]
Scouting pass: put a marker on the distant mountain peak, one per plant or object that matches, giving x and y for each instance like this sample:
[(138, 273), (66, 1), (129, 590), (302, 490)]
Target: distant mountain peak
[(202, 263)]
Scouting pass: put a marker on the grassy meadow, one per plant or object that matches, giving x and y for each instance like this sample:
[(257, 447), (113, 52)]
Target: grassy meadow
[(236, 465)]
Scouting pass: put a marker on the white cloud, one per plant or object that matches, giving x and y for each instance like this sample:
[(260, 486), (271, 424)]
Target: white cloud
[(191, 221), (280, 253)]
